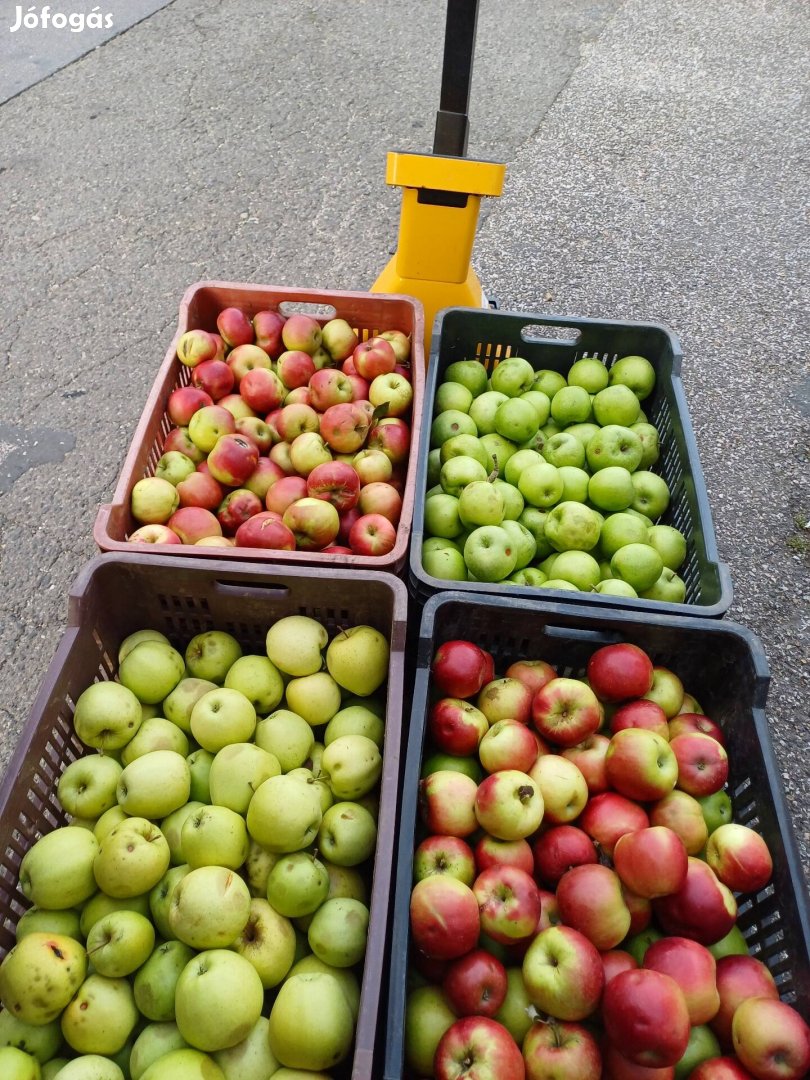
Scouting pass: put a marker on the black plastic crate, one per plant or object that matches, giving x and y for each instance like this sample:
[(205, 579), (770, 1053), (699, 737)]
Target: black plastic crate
[(720, 662), (556, 342)]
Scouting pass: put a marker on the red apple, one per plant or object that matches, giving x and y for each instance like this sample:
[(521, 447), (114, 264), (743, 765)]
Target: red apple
[(640, 909), (313, 522), (704, 909), (740, 858), (233, 459), (558, 850), (195, 347), (154, 534), (444, 917), (267, 327), (447, 803), (651, 862), (508, 744), (456, 726), (262, 389), (589, 758), (284, 492), (475, 984), (192, 523), (335, 482), (619, 672), (702, 763), (347, 520), (549, 911), (234, 327), (685, 722), (302, 332), (393, 437), (693, 968), (615, 961), (505, 699), (214, 377), (335, 549), (509, 805), (184, 402), (444, 855), (508, 903), (380, 498), (344, 427), (360, 387), (561, 1051), (265, 530), (329, 387), (236, 508), (683, 814), (372, 534), (618, 1067), (295, 368), (566, 711), (609, 816), (374, 357), (200, 489), (563, 973), (490, 851), (640, 713), (739, 978), (294, 420), (458, 668), (722, 1068), (640, 764), (478, 1048), (590, 899), (255, 429), (771, 1039), (644, 1012)]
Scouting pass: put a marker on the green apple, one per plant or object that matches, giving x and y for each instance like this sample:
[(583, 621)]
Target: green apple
[(615, 587), (463, 446), (299, 883), (446, 564), (452, 395), (131, 640), (515, 1012), (214, 836), (16, 1064), (258, 679), (669, 588), (355, 720), (651, 494), (237, 770), (357, 659), (489, 553), (636, 372), (174, 466), (155, 1040), (583, 432), (670, 543), (55, 963), (338, 931), (535, 521), (87, 786), (589, 373), (571, 405), (155, 733), (561, 584), (524, 544), (513, 501), (548, 381), (427, 1018), (540, 402), (295, 645), (638, 564), (119, 943), (516, 420), (258, 864), (151, 671), (85, 1067), (500, 451), (483, 410), (44, 921), (530, 576), (649, 443), (160, 899), (108, 820), (287, 737), (449, 423), (564, 449), (441, 516), (619, 530), (611, 489), (155, 982), (541, 485), (457, 472), (578, 567), (352, 764), (250, 1059), (733, 944), (480, 503), (470, 373), (575, 483), (314, 697), (617, 404), (57, 871), (101, 1016), (209, 655), (185, 1064), (716, 809), (572, 526), (100, 905), (638, 944), (199, 767), (209, 907), (512, 376), (438, 762), (218, 1000), (222, 716), (347, 835), (302, 996), (345, 977), (41, 1041), (132, 859), (267, 941), (172, 828), (178, 705), (614, 445), (106, 716), (154, 785), (284, 815), (519, 461), (434, 465), (702, 1045)]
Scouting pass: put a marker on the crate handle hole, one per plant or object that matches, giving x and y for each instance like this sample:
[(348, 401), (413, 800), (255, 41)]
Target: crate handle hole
[(562, 335), (252, 588), (317, 311), (597, 637)]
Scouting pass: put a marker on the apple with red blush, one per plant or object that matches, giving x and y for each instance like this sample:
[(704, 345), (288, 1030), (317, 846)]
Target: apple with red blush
[(640, 713), (651, 862), (561, 1049), (372, 534), (508, 744), (608, 816), (532, 673), (589, 758), (236, 508), (184, 402), (214, 377), (478, 1048), (558, 849), (490, 851), (615, 961), (267, 327), (703, 909), (195, 347), (475, 984), (459, 668), (284, 492), (683, 814), (456, 726), (590, 900), (509, 804), (771, 1039), (563, 973), (313, 522), (265, 530), (641, 765), (444, 855), (740, 858), (200, 489), (447, 803), (619, 672), (262, 389), (192, 523), (232, 459), (335, 482), (374, 357), (154, 534), (688, 722), (645, 1013), (666, 690), (293, 420), (508, 903), (444, 917), (566, 711), (255, 429), (721, 1068), (391, 435), (234, 327), (380, 498), (737, 978), (693, 968)]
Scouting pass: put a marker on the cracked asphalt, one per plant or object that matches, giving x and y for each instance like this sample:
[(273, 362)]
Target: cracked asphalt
[(656, 170)]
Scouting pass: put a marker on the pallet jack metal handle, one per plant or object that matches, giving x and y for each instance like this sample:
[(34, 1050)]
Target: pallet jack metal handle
[(452, 120)]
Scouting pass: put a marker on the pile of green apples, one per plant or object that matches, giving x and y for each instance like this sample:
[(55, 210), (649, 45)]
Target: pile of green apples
[(209, 897), (542, 480)]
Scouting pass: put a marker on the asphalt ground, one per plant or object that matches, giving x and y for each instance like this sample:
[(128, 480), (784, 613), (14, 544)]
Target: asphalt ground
[(655, 171)]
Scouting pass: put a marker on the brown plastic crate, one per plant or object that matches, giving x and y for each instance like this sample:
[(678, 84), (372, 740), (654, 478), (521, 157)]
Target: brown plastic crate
[(115, 595), (367, 313)]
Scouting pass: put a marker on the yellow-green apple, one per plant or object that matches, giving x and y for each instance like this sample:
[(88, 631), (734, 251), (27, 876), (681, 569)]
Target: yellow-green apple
[(563, 973), (250, 1059), (316, 697), (87, 786), (372, 534), (307, 451), (209, 907), (590, 899), (257, 678), (616, 404), (160, 899), (216, 542), (475, 984), (101, 904), (313, 522), (154, 983), (56, 872), (131, 858), (192, 523), (101, 1016), (651, 862), (393, 436), (478, 1046), (200, 489), (236, 771), (279, 454), (614, 444), (449, 855), (154, 534), (640, 713), (294, 419), (16, 1064), (155, 733), (400, 343), (153, 1042), (666, 690), (444, 917), (236, 405), (645, 1013), (562, 787), (153, 500), (352, 764), (561, 1049), (740, 858), (179, 703), (284, 815), (508, 903), (357, 659), (155, 784), (214, 377), (347, 834), (693, 968), (263, 477), (194, 347), (209, 424), (339, 339), (380, 498), (258, 865), (515, 1013), (184, 402), (56, 963), (214, 836), (220, 717), (372, 466), (635, 372), (219, 998), (234, 327), (771, 1039), (447, 803), (641, 765), (257, 430), (119, 943), (508, 744), (301, 332), (328, 1043), (265, 530), (589, 758), (737, 979), (562, 450), (180, 440), (42, 920), (338, 931), (355, 720), (393, 390), (427, 1018), (702, 763), (295, 644), (151, 670), (267, 941), (681, 813), (704, 909), (558, 849), (619, 672), (509, 804), (188, 1063), (505, 698), (608, 816), (298, 884), (566, 711), (246, 358)]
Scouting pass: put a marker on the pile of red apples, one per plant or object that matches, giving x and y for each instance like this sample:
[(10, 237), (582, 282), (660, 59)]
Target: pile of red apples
[(575, 900), (291, 435)]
